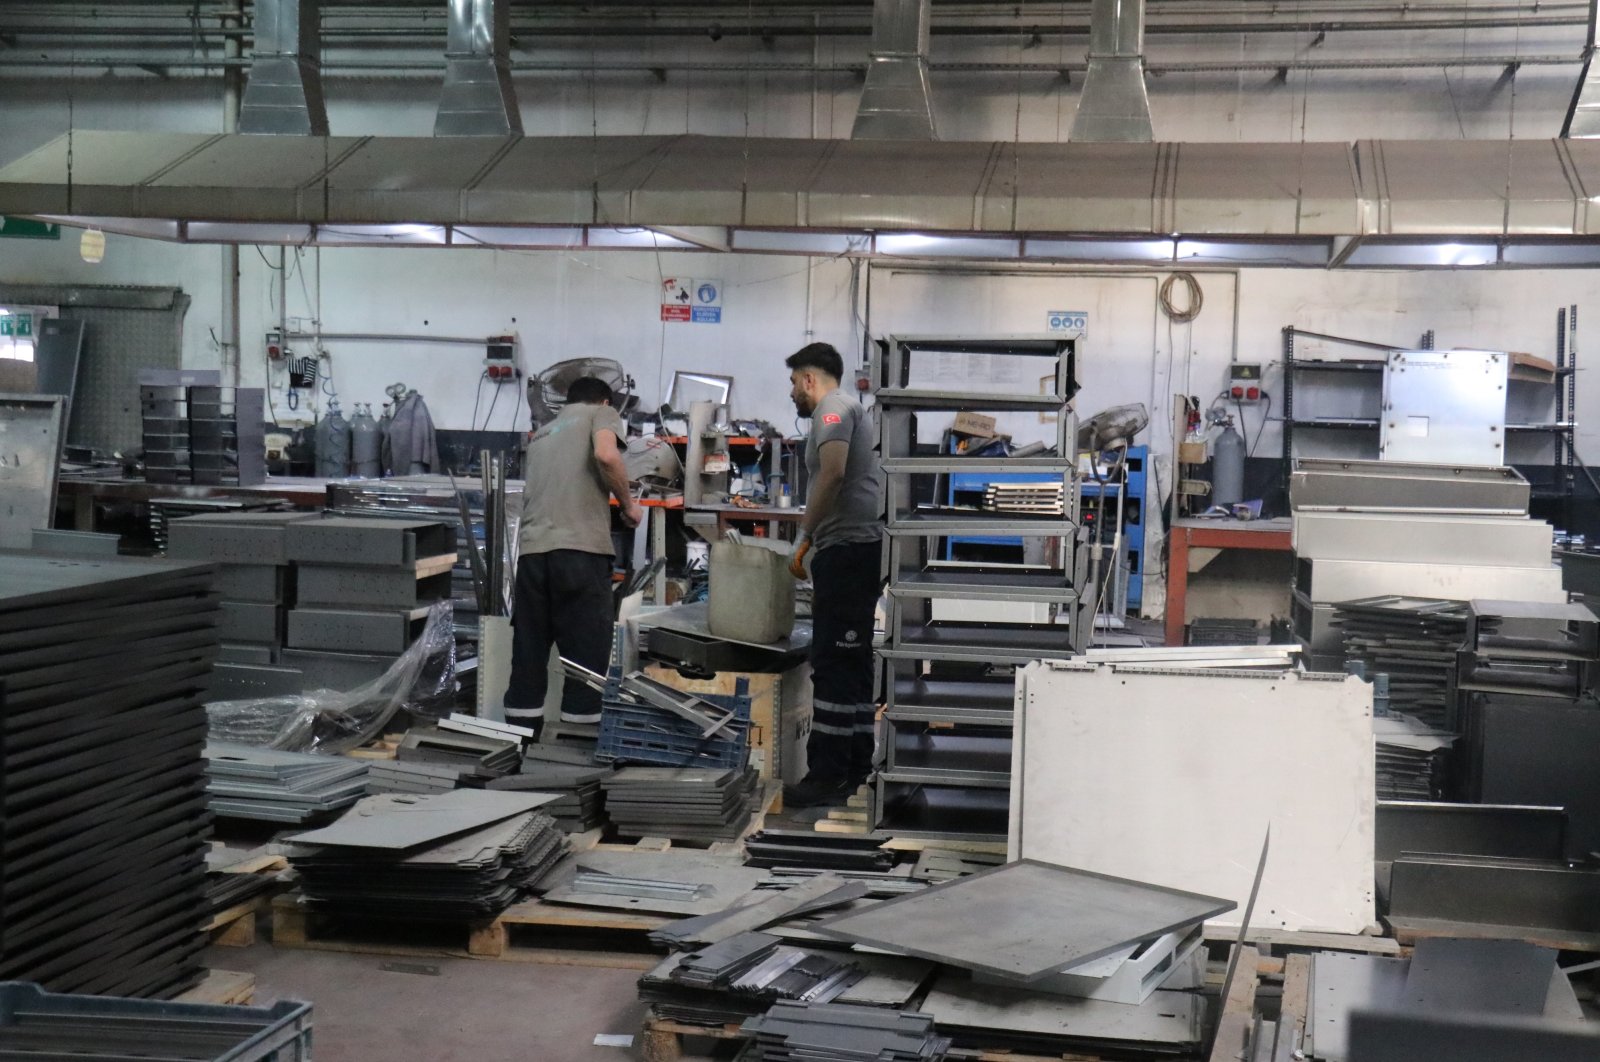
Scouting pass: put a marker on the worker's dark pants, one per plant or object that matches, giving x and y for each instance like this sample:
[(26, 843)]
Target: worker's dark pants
[(564, 597), (845, 585)]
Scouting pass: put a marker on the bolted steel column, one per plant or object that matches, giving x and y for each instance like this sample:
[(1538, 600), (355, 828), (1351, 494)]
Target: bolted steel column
[(284, 93), (478, 99), (1113, 105), (895, 102)]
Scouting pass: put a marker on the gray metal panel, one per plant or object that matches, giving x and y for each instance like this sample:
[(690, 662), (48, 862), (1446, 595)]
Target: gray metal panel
[(30, 436), (1492, 541), (125, 330), (367, 541), (245, 621), (1332, 580), (232, 538), (1518, 831), (79, 543), (56, 353), (958, 1004), (1405, 486), (338, 671), (350, 587), (1401, 1037), (1445, 406), (247, 654), (400, 822), (233, 681), (1520, 899), (1508, 977), (362, 632), (251, 582), (1342, 984), (1024, 920)]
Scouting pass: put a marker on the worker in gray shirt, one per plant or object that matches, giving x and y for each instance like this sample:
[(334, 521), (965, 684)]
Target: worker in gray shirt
[(842, 532), (573, 468)]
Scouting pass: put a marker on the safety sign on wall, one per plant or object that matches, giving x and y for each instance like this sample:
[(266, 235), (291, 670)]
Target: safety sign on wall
[(687, 299), (16, 324), (1072, 322)]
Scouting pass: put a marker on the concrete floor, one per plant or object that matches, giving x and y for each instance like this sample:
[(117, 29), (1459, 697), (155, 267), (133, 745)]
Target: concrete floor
[(472, 1010)]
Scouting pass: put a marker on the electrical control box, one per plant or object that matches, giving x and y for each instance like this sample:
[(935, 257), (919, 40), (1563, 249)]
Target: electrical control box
[(1244, 381), (500, 362)]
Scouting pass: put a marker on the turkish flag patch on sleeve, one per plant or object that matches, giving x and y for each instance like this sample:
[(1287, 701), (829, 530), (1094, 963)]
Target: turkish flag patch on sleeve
[(830, 418)]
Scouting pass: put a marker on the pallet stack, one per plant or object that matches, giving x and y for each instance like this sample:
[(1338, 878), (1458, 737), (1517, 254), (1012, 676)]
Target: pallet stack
[(103, 817)]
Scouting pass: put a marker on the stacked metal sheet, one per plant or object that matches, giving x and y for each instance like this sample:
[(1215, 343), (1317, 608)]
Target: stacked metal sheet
[(1412, 640), (741, 977), (253, 578), (1412, 758), (569, 773), (393, 776), (688, 804), (102, 781), (808, 848), (822, 1032), (1045, 499), (475, 757), (461, 855), (246, 782), (796, 898)]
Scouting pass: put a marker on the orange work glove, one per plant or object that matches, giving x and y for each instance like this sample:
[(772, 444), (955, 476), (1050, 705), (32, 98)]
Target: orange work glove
[(797, 560)]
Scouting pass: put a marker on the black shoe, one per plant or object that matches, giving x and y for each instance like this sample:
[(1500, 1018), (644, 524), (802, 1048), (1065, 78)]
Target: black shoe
[(815, 792)]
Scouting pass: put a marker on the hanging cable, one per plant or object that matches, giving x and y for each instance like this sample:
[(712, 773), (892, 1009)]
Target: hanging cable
[(1195, 301)]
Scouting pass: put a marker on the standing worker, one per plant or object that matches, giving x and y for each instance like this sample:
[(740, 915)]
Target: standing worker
[(573, 467), (842, 532)]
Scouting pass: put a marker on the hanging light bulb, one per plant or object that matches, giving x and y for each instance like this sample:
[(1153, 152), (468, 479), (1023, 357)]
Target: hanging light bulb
[(92, 246)]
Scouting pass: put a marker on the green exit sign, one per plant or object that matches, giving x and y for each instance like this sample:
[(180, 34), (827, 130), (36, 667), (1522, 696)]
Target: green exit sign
[(19, 325), (29, 229)]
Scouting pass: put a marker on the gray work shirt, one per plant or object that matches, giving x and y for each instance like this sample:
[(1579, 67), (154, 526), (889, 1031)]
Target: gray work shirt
[(858, 510), (565, 502)]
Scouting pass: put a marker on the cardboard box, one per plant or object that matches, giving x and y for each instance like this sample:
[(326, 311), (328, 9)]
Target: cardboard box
[(975, 424), (1192, 453)]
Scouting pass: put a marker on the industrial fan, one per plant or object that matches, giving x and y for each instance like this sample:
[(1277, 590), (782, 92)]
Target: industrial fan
[(547, 391)]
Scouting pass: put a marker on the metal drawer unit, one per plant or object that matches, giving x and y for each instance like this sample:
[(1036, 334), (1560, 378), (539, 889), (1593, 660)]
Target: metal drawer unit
[(956, 628)]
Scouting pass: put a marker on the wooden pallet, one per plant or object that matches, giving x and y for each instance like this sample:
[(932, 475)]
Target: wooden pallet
[(222, 986), (663, 1039), (530, 931), (236, 926), (1286, 940)]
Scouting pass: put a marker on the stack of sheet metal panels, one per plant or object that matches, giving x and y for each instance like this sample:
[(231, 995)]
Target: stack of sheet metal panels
[(767, 908), (393, 776), (688, 804), (363, 584), (102, 781), (823, 1032), (204, 434), (808, 848), (246, 782), (1412, 640), (254, 579), (477, 758), (742, 976), (460, 855), (1412, 758), (569, 773), (1045, 499)]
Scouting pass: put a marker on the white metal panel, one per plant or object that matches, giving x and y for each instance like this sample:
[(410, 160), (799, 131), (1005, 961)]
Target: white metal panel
[(1445, 407), (1346, 580), (1496, 541), (1173, 776)]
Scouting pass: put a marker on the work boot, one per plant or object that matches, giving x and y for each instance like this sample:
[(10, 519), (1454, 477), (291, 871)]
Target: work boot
[(812, 792)]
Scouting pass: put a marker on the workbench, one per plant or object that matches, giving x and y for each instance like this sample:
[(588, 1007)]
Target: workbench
[(730, 517), (301, 491), (1194, 534)]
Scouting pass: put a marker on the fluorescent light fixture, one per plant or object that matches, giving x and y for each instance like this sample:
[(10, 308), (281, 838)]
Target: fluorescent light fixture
[(776, 242), (1423, 254), (553, 238), (918, 245), (1129, 250), (246, 232), (144, 228), (382, 235), (1253, 252), (1553, 254), (636, 239)]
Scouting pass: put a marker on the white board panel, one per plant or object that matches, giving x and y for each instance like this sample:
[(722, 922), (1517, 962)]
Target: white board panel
[(1173, 776)]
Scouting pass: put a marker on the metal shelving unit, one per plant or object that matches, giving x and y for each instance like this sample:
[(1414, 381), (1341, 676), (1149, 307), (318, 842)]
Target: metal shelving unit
[(1299, 373), (956, 629)]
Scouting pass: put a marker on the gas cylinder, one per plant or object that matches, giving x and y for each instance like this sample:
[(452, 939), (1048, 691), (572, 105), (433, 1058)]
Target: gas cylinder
[(333, 444), (1227, 467), (365, 442)]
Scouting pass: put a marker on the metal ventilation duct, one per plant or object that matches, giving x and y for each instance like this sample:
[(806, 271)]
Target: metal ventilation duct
[(284, 93), (1113, 106), (1583, 113), (478, 99), (895, 102)]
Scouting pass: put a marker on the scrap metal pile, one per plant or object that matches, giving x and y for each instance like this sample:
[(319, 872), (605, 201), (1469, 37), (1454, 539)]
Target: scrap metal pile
[(103, 814)]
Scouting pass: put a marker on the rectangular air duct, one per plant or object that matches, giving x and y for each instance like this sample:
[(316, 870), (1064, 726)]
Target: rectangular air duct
[(284, 93), (1113, 106), (1583, 113), (478, 99), (895, 102)]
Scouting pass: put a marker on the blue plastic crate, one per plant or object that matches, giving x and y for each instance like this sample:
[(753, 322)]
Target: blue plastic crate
[(33, 1020), (643, 733)]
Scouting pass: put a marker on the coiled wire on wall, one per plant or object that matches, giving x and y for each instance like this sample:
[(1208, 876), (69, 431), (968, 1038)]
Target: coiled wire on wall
[(1195, 301)]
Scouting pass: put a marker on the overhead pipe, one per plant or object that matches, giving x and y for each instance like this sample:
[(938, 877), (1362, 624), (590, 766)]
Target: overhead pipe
[(478, 99), (1113, 106), (896, 103), (284, 93)]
